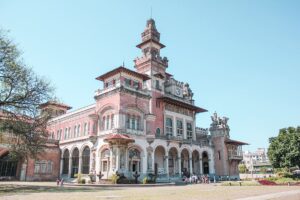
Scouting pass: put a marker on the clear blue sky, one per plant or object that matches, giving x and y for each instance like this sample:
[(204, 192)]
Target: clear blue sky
[(241, 58)]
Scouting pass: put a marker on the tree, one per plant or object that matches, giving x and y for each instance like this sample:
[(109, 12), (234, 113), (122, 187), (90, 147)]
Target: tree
[(21, 92), (284, 150), (242, 168)]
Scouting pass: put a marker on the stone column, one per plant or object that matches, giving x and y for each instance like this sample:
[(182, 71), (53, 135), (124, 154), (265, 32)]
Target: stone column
[(126, 160), (174, 127), (80, 164), (179, 166), (167, 164), (61, 166), (70, 167), (117, 158), (191, 165), (201, 166)]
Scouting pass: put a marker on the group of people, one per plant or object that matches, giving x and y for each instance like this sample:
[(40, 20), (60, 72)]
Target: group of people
[(60, 182), (196, 179)]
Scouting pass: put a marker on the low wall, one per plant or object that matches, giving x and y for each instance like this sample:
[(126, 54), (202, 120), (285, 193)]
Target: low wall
[(255, 176)]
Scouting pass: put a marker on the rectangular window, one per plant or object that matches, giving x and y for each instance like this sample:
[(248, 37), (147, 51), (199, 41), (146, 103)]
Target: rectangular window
[(43, 167), (128, 121), (189, 131), (49, 167), (157, 85), (127, 82), (104, 164), (138, 123), (57, 134), (136, 84), (37, 167), (169, 126), (179, 128), (219, 155), (133, 122)]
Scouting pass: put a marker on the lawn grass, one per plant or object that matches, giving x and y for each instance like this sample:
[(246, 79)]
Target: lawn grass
[(240, 183)]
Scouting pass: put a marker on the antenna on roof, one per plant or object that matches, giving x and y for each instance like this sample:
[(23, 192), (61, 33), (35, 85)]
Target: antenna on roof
[(123, 64)]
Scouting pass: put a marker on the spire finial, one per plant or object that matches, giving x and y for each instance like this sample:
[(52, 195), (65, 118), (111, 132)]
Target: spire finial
[(151, 12)]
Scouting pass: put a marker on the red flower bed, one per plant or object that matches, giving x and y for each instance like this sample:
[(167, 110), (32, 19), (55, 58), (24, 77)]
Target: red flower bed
[(266, 182)]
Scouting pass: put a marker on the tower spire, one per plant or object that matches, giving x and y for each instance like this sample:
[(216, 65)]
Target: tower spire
[(150, 47)]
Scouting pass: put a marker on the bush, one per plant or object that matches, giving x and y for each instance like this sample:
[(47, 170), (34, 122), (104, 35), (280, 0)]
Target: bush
[(79, 177), (114, 178), (145, 180), (266, 182)]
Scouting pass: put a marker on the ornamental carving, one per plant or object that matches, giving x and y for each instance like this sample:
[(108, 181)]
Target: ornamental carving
[(178, 109)]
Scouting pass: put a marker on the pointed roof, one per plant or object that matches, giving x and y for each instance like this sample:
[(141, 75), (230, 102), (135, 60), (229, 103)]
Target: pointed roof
[(122, 69), (150, 34)]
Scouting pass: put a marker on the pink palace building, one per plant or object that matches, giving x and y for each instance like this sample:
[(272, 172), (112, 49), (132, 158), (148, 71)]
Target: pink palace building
[(143, 121)]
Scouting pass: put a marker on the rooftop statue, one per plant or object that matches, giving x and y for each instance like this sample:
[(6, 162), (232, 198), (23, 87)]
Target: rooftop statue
[(219, 122)]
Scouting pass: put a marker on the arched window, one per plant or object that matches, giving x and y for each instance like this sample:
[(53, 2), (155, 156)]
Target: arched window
[(105, 160), (107, 122), (157, 132), (78, 130), (66, 156), (85, 129), (103, 123), (86, 160), (66, 133), (134, 160), (75, 130), (69, 132), (169, 126), (75, 162), (112, 122)]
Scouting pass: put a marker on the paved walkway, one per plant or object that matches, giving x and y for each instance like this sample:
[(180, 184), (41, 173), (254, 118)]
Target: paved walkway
[(49, 191), (287, 195)]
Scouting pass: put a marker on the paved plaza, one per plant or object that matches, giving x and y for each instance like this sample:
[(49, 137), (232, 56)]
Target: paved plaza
[(47, 190)]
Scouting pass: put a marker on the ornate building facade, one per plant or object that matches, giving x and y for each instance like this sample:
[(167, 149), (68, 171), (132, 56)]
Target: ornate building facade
[(142, 121)]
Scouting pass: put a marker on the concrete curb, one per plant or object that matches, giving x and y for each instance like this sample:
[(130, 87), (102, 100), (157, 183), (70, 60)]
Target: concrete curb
[(120, 185)]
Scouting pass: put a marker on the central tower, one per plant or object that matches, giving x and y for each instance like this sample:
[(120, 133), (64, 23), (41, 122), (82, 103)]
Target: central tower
[(151, 62)]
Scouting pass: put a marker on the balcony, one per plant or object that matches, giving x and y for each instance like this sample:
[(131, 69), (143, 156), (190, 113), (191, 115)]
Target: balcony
[(201, 131), (181, 140), (118, 85), (235, 155)]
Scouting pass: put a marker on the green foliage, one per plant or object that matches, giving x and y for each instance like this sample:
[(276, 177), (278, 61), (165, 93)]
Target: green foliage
[(114, 178), (284, 150), (240, 183), (21, 92), (145, 180), (242, 168), (79, 177), (263, 170)]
